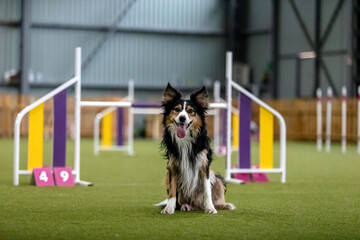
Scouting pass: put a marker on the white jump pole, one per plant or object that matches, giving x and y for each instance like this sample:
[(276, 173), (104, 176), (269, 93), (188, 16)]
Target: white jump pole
[(78, 118), (343, 119), (131, 92), (358, 133), (216, 118), (96, 134), (319, 119), (228, 119), (228, 78), (328, 119), (77, 113)]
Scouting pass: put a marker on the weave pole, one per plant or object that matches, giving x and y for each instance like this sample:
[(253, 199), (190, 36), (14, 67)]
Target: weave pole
[(343, 119), (328, 119), (319, 119)]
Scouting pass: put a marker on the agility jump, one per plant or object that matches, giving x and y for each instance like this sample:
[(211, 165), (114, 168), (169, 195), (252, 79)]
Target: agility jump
[(36, 125), (35, 142), (107, 118), (230, 119), (267, 114), (35, 111), (104, 123)]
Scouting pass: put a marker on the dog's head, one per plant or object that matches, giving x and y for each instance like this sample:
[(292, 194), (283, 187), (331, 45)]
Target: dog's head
[(184, 116)]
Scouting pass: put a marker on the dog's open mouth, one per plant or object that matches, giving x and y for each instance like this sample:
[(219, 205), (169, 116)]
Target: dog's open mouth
[(181, 129)]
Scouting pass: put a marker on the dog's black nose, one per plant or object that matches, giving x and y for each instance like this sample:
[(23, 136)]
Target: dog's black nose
[(182, 119)]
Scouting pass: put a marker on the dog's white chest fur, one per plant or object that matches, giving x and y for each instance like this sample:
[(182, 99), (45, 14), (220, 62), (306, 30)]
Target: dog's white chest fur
[(189, 168)]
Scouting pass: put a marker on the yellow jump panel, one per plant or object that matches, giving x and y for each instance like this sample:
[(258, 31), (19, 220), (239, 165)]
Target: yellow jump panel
[(35, 143), (235, 130), (107, 129), (266, 139)]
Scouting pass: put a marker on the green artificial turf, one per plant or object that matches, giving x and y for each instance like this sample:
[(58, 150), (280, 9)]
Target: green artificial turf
[(320, 200)]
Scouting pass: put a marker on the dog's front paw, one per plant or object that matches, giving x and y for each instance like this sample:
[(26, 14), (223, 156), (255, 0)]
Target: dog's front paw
[(230, 206), (170, 206), (168, 210), (186, 207), (210, 210)]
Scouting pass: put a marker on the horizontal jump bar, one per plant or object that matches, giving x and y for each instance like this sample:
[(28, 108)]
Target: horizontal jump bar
[(218, 105), (27, 172), (145, 105), (146, 111), (256, 170), (135, 105), (104, 104), (114, 148)]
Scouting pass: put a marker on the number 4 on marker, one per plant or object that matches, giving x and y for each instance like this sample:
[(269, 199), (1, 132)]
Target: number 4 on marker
[(43, 177)]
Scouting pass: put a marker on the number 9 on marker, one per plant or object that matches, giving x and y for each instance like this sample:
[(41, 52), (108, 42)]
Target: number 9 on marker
[(63, 176)]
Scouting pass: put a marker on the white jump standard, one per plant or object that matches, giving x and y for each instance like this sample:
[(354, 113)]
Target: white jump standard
[(75, 81)]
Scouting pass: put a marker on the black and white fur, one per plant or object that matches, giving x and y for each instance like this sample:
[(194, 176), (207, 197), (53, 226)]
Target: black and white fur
[(191, 185)]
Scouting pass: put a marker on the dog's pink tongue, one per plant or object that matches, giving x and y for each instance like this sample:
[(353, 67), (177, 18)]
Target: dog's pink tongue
[(181, 131)]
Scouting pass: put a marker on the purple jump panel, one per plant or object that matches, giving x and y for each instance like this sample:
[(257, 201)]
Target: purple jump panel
[(120, 126), (223, 130), (244, 131), (59, 149), (145, 105)]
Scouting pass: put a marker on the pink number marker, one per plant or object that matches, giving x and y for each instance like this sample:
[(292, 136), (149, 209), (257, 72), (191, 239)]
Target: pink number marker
[(43, 177), (64, 177)]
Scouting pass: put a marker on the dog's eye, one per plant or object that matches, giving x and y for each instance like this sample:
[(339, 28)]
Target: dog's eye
[(190, 111), (177, 109)]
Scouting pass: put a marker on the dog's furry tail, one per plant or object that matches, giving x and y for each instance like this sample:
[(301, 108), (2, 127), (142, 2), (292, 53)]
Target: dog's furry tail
[(162, 204)]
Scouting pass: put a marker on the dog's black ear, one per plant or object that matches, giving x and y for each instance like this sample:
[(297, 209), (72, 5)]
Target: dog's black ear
[(201, 98), (170, 95)]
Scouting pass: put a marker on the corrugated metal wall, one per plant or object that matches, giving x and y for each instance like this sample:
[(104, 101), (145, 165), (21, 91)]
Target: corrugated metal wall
[(182, 41), (9, 36), (293, 41), (338, 39), (258, 48), (149, 48)]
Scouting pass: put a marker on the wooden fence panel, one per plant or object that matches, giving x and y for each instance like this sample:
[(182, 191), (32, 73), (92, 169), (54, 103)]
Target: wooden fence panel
[(299, 114)]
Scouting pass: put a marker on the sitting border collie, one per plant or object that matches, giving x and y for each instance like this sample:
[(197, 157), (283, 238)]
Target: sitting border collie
[(191, 185)]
